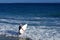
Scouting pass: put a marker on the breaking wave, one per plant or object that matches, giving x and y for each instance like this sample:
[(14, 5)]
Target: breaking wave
[(39, 28)]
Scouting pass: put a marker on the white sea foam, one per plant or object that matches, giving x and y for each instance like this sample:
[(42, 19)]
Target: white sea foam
[(37, 32), (31, 32), (54, 21)]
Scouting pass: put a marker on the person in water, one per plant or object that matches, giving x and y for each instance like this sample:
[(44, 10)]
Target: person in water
[(20, 26)]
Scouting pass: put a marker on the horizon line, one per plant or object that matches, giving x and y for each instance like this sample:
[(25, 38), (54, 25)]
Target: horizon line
[(54, 2)]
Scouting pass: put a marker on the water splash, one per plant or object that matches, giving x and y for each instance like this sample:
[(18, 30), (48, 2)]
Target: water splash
[(47, 29)]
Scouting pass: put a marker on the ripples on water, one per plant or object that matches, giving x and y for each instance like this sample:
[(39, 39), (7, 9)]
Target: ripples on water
[(39, 28)]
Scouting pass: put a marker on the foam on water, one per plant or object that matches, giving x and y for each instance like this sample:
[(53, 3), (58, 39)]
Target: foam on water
[(38, 28)]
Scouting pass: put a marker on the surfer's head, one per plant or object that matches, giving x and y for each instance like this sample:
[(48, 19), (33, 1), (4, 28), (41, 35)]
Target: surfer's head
[(20, 24)]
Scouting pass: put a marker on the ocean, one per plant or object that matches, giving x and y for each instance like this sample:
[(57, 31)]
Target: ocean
[(43, 20)]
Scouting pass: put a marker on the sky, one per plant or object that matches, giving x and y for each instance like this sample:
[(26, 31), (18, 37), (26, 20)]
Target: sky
[(29, 1)]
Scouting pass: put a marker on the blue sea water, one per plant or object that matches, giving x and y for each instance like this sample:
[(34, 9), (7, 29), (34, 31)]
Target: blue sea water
[(43, 20)]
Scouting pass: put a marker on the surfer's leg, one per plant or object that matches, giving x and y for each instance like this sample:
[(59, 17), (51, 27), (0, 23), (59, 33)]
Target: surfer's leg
[(19, 33)]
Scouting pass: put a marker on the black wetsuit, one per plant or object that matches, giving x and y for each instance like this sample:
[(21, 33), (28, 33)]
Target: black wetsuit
[(19, 29)]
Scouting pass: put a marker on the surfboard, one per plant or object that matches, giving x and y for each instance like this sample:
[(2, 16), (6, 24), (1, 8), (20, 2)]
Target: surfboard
[(24, 27)]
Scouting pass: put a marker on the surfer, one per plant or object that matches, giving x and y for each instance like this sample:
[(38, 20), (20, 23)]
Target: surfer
[(20, 26), (22, 29)]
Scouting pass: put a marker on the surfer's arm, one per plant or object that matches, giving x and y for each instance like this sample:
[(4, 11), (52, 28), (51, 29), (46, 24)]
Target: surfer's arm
[(23, 29)]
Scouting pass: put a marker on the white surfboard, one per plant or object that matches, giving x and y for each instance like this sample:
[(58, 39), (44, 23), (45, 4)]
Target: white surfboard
[(24, 27)]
